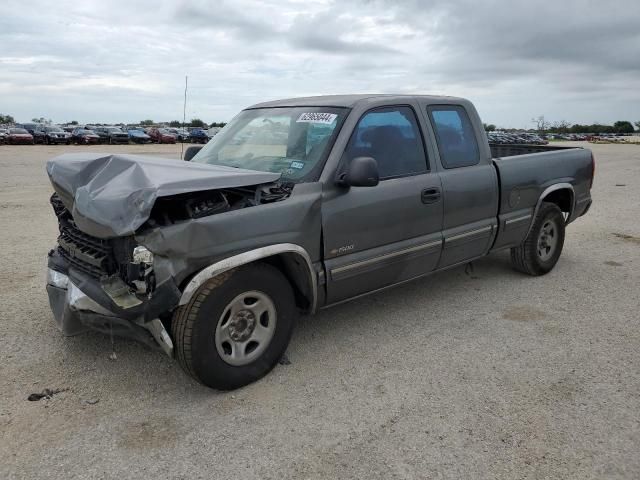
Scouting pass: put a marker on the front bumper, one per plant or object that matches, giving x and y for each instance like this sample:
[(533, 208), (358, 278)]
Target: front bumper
[(75, 312)]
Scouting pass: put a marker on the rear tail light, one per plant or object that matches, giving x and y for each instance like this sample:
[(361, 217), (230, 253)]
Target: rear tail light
[(593, 169)]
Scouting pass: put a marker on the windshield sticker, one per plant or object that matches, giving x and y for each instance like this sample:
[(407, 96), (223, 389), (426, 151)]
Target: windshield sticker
[(297, 165), (317, 117)]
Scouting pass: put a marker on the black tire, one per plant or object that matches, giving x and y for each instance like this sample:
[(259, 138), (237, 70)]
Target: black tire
[(194, 325), (530, 257)]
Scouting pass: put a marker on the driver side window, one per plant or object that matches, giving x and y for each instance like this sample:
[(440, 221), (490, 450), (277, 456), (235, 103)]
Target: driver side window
[(392, 137)]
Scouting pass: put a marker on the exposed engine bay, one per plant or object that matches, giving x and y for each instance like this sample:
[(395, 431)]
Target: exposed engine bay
[(114, 195), (185, 206)]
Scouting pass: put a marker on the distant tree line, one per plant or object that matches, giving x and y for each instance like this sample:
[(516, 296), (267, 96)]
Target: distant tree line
[(195, 122), (562, 126)]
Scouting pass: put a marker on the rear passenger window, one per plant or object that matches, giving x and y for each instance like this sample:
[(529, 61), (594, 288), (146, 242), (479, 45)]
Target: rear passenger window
[(456, 139), (391, 136)]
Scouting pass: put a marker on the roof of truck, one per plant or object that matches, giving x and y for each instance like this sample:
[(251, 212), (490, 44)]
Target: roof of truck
[(346, 100)]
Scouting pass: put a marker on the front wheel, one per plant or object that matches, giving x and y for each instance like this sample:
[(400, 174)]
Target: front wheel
[(236, 326), (540, 251)]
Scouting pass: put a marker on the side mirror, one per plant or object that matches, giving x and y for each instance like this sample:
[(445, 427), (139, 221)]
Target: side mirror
[(191, 152), (361, 172)]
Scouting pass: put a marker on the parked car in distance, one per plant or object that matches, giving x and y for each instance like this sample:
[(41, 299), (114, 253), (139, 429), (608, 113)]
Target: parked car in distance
[(213, 131), (181, 134), (100, 131), (112, 135), (4, 133), (522, 138), (84, 136), (297, 205), (34, 130), (161, 135), (19, 136), (198, 135), (54, 135), (137, 135)]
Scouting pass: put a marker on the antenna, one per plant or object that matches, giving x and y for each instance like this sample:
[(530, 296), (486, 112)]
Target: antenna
[(184, 114)]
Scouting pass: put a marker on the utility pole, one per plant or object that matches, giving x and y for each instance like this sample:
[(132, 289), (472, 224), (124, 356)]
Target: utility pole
[(184, 114)]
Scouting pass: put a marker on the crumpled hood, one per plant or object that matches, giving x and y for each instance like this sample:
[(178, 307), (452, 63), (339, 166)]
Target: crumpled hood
[(112, 195)]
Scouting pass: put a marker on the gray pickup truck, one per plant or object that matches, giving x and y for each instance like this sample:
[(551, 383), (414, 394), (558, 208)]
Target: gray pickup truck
[(296, 205)]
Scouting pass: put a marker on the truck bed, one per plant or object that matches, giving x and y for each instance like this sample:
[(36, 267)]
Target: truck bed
[(526, 173), (499, 150)]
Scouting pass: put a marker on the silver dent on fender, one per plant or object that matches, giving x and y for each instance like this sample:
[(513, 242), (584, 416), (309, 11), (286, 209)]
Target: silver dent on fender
[(246, 258)]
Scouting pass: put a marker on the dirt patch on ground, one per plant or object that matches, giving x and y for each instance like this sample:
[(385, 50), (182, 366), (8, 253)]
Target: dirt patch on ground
[(628, 238), (156, 432), (523, 313)]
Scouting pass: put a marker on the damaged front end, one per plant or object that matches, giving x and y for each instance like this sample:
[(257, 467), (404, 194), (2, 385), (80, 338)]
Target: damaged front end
[(107, 285), (100, 275)]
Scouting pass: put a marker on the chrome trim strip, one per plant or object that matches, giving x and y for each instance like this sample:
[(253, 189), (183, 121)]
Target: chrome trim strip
[(401, 282), (369, 261), (516, 220), (248, 257), (469, 234)]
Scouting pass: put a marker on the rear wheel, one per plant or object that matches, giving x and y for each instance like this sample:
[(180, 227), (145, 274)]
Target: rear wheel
[(541, 250), (236, 327)]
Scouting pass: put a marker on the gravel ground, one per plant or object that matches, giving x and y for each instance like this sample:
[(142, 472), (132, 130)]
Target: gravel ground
[(485, 375)]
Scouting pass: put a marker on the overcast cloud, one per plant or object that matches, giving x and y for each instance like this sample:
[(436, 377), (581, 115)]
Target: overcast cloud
[(115, 61)]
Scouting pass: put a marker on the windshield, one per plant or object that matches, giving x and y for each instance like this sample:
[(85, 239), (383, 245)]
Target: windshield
[(291, 141), (18, 131), (54, 130), (113, 130)]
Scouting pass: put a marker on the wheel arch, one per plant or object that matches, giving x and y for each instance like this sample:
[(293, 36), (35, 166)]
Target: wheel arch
[(563, 198), (560, 194), (292, 260)]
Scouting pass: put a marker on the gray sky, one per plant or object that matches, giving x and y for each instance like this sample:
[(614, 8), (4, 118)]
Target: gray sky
[(125, 61)]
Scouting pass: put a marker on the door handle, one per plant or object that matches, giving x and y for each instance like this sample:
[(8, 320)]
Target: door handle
[(430, 195)]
